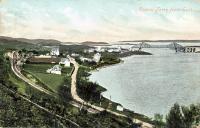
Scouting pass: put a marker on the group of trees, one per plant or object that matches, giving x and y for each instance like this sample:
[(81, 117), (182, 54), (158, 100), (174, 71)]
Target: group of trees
[(64, 93), (34, 51), (73, 49), (179, 117), (106, 59), (88, 90), (183, 117), (109, 58), (17, 112)]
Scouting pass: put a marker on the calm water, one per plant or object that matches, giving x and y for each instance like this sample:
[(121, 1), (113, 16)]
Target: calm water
[(152, 84)]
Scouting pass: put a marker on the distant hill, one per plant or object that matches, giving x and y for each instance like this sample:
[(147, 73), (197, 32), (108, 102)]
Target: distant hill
[(12, 43), (94, 43), (11, 40), (50, 41), (182, 41), (32, 41)]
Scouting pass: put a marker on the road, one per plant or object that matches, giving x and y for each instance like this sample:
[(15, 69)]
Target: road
[(76, 97), (74, 94), (16, 70)]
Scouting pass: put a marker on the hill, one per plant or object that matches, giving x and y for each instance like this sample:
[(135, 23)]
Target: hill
[(94, 43), (183, 41), (31, 41)]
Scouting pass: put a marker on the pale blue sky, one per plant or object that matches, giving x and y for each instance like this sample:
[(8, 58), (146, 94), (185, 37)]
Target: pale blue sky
[(100, 20)]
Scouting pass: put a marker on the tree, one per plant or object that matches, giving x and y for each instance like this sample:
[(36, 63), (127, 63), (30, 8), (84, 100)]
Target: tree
[(158, 118), (187, 116), (175, 118), (64, 93)]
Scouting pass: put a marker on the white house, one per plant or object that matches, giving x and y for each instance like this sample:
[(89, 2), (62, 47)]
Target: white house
[(110, 50), (120, 108), (75, 55), (65, 62), (55, 51), (83, 59), (43, 56), (91, 50), (97, 57), (100, 49), (55, 70), (118, 49)]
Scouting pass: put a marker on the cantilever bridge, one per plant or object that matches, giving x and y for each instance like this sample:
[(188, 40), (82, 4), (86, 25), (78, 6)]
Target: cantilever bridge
[(173, 45)]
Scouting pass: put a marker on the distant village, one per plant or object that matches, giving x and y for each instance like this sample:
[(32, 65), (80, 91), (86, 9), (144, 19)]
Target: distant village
[(53, 57)]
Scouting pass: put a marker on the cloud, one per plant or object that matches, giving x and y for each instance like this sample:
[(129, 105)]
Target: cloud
[(2, 1), (1, 24), (72, 21), (78, 21)]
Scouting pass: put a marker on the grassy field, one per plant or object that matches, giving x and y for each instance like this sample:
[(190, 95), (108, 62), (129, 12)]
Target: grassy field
[(20, 84), (53, 81)]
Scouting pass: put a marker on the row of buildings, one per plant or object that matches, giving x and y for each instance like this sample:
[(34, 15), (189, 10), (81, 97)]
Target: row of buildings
[(96, 58), (51, 58), (119, 49), (104, 49), (59, 62)]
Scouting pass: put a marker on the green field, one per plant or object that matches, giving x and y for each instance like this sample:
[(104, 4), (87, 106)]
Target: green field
[(53, 81), (21, 85)]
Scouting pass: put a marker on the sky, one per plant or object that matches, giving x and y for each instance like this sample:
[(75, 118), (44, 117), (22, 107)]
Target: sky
[(100, 20)]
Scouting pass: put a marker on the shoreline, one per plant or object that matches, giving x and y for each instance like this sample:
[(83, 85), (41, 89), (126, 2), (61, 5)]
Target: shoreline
[(103, 93), (105, 66)]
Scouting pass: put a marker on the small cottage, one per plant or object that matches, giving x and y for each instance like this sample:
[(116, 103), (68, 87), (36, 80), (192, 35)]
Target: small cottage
[(55, 70), (65, 62)]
